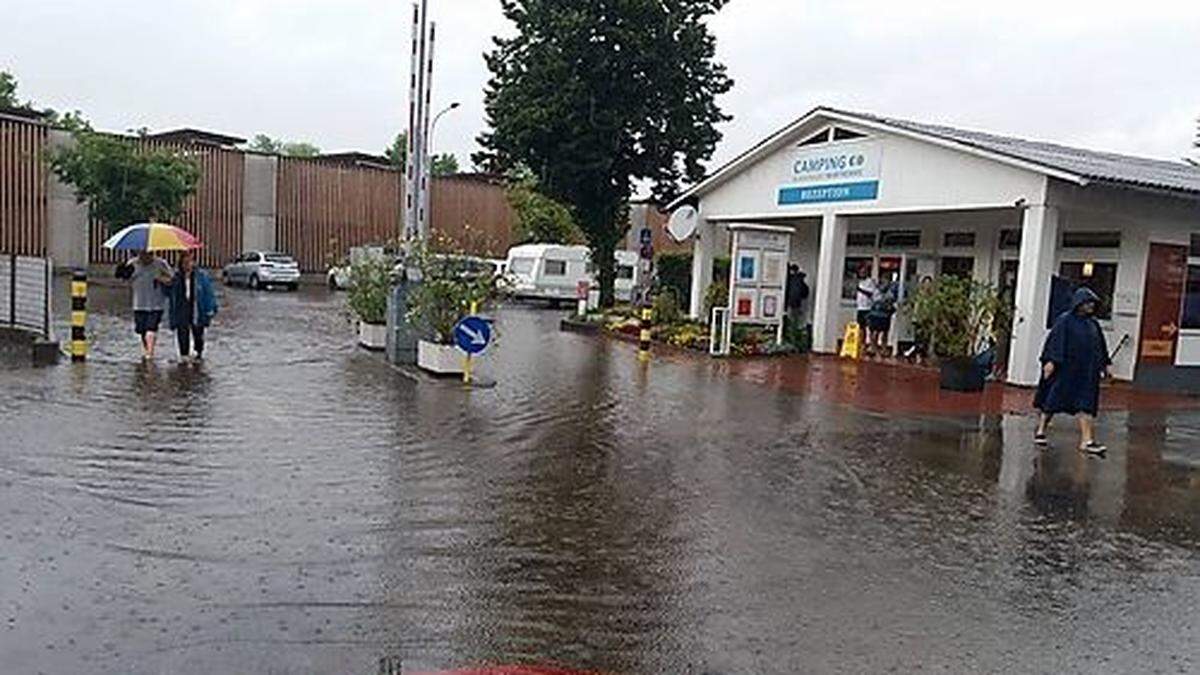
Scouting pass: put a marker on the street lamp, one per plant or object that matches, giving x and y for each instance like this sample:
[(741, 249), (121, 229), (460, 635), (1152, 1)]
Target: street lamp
[(433, 125), (429, 150)]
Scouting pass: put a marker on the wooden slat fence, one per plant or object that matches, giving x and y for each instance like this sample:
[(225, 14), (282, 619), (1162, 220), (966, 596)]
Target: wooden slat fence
[(474, 213), (325, 208), (213, 213), (24, 199)]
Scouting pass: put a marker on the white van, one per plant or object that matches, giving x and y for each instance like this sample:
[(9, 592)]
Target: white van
[(552, 272)]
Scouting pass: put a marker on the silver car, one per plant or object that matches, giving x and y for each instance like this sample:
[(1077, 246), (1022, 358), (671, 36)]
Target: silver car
[(263, 269)]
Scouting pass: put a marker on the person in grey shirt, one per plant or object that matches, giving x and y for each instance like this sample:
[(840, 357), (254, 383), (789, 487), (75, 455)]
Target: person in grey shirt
[(149, 275)]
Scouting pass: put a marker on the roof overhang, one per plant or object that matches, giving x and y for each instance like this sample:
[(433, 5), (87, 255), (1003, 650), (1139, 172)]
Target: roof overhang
[(780, 138)]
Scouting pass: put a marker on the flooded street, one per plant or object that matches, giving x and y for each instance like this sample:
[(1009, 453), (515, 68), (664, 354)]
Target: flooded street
[(293, 505)]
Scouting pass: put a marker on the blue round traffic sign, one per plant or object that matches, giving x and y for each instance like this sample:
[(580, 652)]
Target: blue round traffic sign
[(472, 334)]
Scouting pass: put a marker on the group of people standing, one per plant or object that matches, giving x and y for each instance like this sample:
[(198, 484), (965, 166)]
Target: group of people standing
[(185, 294), (875, 302)]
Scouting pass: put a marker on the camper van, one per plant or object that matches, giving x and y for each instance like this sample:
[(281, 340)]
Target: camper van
[(552, 272)]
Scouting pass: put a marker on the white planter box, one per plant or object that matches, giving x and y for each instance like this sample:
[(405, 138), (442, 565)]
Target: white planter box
[(372, 335), (439, 359)]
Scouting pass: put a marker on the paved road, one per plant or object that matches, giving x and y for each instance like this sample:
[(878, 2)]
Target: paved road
[(292, 506)]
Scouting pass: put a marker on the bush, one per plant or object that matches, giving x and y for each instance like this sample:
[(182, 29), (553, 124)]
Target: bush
[(370, 284), (717, 295), (666, 307), (447, 291), (958, 315), (674, 272)]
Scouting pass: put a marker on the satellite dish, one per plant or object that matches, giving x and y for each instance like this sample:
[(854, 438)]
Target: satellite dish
[(682, 224)]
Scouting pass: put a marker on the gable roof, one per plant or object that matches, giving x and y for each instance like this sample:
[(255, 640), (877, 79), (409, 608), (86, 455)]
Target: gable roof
[(1076, 165)]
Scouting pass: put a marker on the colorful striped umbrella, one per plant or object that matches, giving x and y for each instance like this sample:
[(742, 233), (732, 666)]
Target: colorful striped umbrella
[(152, 237)]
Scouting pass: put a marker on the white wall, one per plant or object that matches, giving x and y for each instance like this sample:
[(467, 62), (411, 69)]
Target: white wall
[(1141, 218), (913, 175)]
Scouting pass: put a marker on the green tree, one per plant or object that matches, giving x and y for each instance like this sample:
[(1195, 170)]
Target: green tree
[(445, 164), (275, 146), (124, 183), (397, 152), (594, 96), (8, 90), (540, 219)]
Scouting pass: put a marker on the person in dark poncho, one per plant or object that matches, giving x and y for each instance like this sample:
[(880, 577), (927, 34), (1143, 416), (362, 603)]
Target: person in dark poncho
[(1074, 360)]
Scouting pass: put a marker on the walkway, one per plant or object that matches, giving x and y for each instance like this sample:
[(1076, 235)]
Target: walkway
[(902, 388)]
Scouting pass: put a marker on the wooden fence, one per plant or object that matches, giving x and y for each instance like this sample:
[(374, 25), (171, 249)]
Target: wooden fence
[(24, 198), (474, 213), (324, 208), (213, 213)]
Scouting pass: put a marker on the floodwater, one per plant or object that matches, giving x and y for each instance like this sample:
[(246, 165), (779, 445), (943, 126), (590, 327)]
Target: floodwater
[(292, 505)]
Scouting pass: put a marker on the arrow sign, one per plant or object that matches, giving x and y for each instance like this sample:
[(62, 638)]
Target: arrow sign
[(472, 334)]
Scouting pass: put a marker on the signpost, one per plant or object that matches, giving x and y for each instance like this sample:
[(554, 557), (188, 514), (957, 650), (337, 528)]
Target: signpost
[(472, 334)]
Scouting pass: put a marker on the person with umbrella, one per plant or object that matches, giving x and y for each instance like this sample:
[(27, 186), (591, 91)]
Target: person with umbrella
[(149, 274), (193, 305), (1074, 360)]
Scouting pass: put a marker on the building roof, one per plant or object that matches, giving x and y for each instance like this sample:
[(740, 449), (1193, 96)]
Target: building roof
[(355, 158), (198, 136), (1077, 165), (1092, 165)]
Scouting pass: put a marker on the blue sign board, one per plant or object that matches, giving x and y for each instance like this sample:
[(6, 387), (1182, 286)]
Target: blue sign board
[(472, 334), (647, 236), (841, 192)]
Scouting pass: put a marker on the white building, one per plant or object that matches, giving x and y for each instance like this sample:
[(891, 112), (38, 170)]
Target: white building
[(895, 195)]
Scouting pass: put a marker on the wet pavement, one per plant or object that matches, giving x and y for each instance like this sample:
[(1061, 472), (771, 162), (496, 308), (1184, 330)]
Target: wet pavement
[(294, 506)]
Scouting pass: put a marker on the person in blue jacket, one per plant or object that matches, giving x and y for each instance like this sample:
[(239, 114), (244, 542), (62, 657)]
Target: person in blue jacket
[(1074, 360), (193, 305)]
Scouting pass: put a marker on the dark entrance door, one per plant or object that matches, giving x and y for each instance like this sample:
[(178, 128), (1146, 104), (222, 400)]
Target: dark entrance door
[(1008, 292), (1166, 273)]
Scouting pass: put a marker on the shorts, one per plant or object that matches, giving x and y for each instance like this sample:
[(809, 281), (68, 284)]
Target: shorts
[(879, 324), (862, 318), (146, 321)]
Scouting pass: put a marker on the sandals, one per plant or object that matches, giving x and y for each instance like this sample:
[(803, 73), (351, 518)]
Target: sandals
[(1093, 448), (1040, 440)]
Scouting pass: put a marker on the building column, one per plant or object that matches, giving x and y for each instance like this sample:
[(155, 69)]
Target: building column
[(703, 252), (827, 291), (259, 202), (1039, 244), (67, 235)]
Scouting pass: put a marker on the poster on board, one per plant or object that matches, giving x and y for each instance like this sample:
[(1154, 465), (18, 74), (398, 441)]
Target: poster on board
[(747, 267), (744, 301), (774, 269), (770, 305)]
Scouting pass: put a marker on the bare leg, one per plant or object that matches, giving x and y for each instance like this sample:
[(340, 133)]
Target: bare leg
[(151, 339), (1043, 422), (1087, 430)]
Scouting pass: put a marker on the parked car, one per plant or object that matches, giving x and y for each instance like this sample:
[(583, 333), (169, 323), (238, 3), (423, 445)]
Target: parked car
[(551, 272), (263, 269)]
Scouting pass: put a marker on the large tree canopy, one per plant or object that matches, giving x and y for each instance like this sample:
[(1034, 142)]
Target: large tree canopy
[(595, 96)]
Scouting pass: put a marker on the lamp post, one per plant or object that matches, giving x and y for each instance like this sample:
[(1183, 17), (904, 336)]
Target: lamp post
[(432, 132)]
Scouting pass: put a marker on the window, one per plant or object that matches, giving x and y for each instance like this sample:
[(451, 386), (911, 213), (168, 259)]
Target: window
[(818, 139), (850, 275), (624, 271), (1191, 297), (521, 266), (958, 240), (1102, 281), (1195, 249), (1010, 240), (900, 239), (840, 134), (860, 240), (555, 268), (962, 267), (1091, 240)]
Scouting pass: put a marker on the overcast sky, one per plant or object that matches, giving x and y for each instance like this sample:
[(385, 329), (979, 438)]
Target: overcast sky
[(1115, 76)]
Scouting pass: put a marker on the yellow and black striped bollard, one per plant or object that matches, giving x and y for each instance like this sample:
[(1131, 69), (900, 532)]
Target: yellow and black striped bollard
[(79, 315), (644, 338)]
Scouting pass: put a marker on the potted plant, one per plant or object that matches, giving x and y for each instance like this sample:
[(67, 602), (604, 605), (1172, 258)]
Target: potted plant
[(960, 319), (450, 288), (370, 284)]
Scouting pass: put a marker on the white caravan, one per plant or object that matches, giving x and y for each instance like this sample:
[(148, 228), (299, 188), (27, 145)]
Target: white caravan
[(552, 272)]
